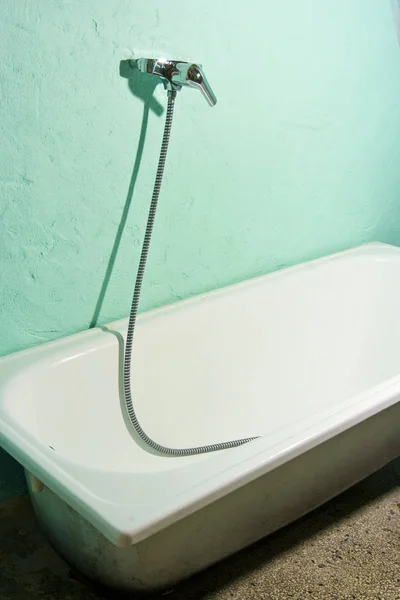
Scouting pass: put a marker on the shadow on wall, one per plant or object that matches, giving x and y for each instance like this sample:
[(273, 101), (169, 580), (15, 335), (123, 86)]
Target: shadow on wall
[(12, 479), (396, 13), (142, 86)]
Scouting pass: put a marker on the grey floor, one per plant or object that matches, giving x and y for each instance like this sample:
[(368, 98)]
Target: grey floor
[(348, 549)]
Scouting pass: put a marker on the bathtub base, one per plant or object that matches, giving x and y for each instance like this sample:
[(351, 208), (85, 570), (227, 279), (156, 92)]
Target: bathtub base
[(228, 525)]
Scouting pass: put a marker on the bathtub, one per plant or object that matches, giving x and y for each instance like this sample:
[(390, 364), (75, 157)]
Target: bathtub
[(307, 358)]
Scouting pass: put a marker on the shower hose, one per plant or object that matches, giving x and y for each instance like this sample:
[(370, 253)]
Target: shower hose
[(135, 305)]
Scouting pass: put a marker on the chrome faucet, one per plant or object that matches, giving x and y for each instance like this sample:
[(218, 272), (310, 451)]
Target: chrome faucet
[(176, 74)]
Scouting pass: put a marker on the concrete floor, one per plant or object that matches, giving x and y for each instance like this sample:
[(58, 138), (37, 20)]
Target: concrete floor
[(348, 549)]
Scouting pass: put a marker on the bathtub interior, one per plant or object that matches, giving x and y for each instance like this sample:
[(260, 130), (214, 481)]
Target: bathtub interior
[(242, 362)]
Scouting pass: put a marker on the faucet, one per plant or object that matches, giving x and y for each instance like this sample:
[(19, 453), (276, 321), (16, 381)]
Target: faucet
[(177, 74)]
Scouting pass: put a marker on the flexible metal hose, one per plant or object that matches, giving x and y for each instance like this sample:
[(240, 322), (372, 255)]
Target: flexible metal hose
[(135, 306)]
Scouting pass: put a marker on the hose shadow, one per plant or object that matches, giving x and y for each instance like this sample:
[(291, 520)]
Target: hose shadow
[(142, 86)]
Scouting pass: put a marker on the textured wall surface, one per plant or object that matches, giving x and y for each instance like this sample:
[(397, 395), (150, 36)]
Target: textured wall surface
[(299, 157)]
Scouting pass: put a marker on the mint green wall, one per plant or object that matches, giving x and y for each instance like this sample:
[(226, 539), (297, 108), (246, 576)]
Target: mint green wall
[(299, 158)]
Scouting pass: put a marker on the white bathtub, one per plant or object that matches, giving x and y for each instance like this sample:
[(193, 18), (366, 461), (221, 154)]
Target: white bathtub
[(307, 358)]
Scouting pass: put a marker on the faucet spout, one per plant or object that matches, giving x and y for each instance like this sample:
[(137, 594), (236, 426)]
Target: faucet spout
[(177, 74)]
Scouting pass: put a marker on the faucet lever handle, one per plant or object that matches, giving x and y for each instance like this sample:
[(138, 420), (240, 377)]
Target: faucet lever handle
[(193, 76)]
